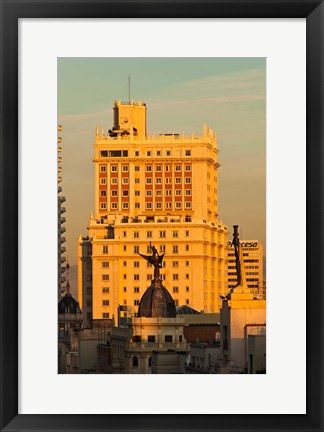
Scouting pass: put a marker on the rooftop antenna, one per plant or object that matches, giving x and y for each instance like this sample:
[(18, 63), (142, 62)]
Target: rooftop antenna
[(129, 87)]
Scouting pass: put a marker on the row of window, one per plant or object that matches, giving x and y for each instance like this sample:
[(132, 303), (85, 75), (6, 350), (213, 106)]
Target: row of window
[(148, 168), (175, 249), (175, 276), (148, 205), (149, 192), (148, 180), (136, 264)]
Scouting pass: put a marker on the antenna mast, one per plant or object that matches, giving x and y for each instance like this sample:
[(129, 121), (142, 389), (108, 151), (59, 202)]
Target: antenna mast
[(128, 87)]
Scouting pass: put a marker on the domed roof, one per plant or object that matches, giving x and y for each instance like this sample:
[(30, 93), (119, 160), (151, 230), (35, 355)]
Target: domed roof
[(157, 302), (68, 305)]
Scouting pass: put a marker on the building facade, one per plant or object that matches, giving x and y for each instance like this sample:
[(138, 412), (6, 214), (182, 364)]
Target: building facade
[(61, 259), (251, 267), (160, 189)]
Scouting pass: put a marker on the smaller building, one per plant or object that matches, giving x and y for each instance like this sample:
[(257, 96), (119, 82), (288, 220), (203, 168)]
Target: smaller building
[(203, 358), (168, 362)]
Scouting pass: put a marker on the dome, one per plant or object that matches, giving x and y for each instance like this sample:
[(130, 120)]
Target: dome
[(157, 302), (68, 305)]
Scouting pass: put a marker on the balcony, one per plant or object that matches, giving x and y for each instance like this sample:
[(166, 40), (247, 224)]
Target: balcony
[(63, 209), (62, 239), (63, 249), (59, 189), (63, 220), (62, 230), (62, 199)]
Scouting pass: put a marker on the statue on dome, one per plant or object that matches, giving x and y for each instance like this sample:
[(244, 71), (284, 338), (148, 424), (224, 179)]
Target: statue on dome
[(155, 259)]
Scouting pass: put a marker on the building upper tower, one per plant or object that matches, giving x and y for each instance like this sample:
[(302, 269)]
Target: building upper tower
[(129, 119)]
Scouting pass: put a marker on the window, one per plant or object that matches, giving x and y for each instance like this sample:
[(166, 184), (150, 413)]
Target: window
[(176, 302), (158, 205), (180, 338), (105, 264), (158, 192), (136, 302), (137, 181), (148, 153), (158, 180), (105, 290), (149, 277), (125, 168), (125, 192), (137, 205), (114, 205), (137, 168), (187, 247), (105, 302), (188, 152), (175, 234), (149, 250), (175, 276), (187, 289), (178, 168), (178, 192), (136, 264), (148, 192), (136, 289), (162, 248), (188, 167), (150, 338), (103, 181), (148, 168), (167, 167), (175, 249), (168, 180), (102, 205), (125, 205), (168, 192), (175, 289), (125, 180), (148, 180), (114, 180), (149, 234), (187, 263), (168, 153), (102, 168), (135, 359), (188, 204), (175, 264), (136, 249), (105, 315), (105, 249), (125, 248), (136, 276), (136, 234), (125, 276), (187, 301), (137, 153), (168, 205), (158, 168), (178, 180), (105, 277), (148, 205), (187, 275), (137, 193), (158, 153), (188, 180), (162, 234), (125, 288), (124, 233), (114, 193), (168, 338), (114, 168), (178, 204), (188, 192), (103, 193), (187, 233)]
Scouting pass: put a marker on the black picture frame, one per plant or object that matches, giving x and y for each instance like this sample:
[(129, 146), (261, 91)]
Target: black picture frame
[(11, 11)]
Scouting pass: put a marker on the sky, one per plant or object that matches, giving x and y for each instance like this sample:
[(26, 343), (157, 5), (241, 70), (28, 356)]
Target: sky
[(181, 94)]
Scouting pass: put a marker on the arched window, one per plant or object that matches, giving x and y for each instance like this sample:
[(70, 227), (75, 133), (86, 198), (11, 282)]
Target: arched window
[(150, 362), (135, 361)]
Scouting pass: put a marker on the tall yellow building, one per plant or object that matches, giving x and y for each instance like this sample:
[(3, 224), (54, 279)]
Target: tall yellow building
[(160, 189)]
